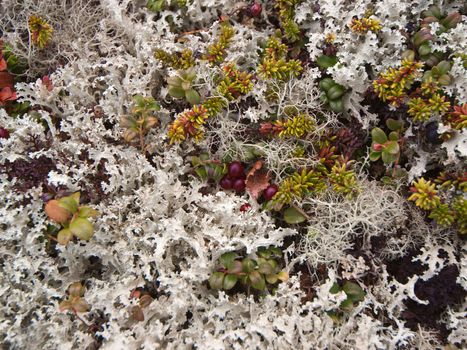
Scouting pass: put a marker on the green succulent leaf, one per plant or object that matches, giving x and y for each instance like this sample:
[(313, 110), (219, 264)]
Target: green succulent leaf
[(202, 173), (378, 136), (272, 278), (326, 84), (293, 216), (69, 203), (374, 156), (336, 106), (266, 268), (335, 288), (229, 282), (192, 96), (176, 92), (393, 136), (155, 5), (248, 265), (444, 80), (392, 147), (64, 236), (257, 280), (325, 61), (87, 212), (216, 281), (388, 158), (354, 291), (336, 91), (81, 228), (227, 259), (393, 124), (346, 305)]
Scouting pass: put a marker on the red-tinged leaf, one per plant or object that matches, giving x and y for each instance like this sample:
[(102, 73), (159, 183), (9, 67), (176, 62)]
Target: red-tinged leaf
[(7, 94), (257, 179), (137, 314), (3, 65)]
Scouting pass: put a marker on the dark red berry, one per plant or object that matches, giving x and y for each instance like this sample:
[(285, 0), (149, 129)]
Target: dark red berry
[(239, 185), (236, 170), (4, 133), (255, 9), (270, 192), (226, 183), (245, 207)]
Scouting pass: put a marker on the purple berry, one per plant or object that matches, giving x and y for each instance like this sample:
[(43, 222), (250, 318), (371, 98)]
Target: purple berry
[(239, 185), (255, 9), (4, 133), (236, 170), (270, 192), (226, 183)]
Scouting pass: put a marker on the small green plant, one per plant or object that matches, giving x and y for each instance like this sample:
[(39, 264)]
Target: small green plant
[(296, 126), (343, 180), (75, 302), (354, 293), (365, 24), (40, 31), (208, 169), (451, 209), (286, 11), (188, 124), (332, 94), (423, 37), (234, 82), (258, 273), (181, 86), (424, 194), (275, 64), (140, 120), (217, 51), (159, 5), (299, 185), (385, 146), (73, 217), (178, 60)]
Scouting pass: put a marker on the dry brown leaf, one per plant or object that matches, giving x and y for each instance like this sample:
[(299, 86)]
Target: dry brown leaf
[(257, 179)]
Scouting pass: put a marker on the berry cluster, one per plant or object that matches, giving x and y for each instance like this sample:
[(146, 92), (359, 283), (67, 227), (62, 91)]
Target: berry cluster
[(235, 178)]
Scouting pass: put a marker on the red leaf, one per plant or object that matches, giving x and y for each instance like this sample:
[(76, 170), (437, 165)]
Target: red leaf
[(257, 179), (7, 94), (3, 64)]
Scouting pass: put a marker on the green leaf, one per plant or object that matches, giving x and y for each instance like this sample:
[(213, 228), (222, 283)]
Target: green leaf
[(227, 259), (392, 147), (393, 124), (155, 5), (393, 136), (272, 278), (293, 216), (192, 96), (216, 280), (323, 98), (326, 84), (176, 92), (335, 288), (325, 61), (374, 156), (445, 80), (265, 268), (335, 92), (354, 291), (236, 267), (64, 236), (424, 49), (336, 106), (248, 265), (229, 282), (444, 67), (378, 135), (257, 280), (81, 228), (87, 212), (388, 158), (202, 173), (346, 305), (69, 203), (174, 81)]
